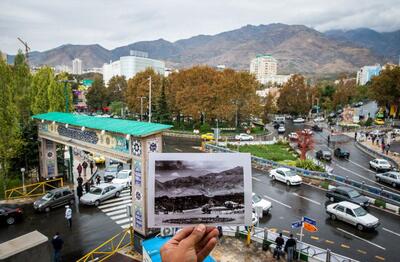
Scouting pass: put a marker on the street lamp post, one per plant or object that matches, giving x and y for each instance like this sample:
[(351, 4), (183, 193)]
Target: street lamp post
[(141, 107), (149, 99), (23, 179)]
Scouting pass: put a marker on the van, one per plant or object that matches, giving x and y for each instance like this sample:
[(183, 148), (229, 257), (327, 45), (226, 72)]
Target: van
[(280, 119)]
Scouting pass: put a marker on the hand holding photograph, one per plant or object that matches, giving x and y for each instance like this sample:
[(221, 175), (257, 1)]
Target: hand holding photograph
[(193, 188)]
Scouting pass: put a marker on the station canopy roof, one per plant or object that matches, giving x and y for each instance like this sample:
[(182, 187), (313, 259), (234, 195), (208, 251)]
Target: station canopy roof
[(128, 127)]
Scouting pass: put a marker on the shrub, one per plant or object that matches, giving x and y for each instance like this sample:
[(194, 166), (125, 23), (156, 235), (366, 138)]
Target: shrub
[(309, 165), (205, 128), (324, 184), (380, 203)]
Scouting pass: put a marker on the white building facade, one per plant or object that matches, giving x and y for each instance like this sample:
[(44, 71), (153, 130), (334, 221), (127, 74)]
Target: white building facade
[(365, 74), (129, 66), (264, 67), (77, 66)]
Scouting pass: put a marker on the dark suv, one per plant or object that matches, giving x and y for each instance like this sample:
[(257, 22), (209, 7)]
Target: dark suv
[(323, 155), (54, 198), (343, 193), (340, 153)]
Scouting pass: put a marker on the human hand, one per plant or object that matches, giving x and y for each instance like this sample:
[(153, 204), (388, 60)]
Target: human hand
[(191, 244)]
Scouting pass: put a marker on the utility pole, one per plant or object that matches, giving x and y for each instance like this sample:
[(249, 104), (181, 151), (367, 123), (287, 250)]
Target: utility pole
[(149, 99), (141, 107), (27, 48)]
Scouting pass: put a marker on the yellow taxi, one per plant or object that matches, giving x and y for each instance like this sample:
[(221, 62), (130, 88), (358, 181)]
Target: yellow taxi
[(98, 159), (379, 121), (207, 136)]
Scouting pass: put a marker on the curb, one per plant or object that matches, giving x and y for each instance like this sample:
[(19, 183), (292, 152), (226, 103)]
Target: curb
[(375, 154)]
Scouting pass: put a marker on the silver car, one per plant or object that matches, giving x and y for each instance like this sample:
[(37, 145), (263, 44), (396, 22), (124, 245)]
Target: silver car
[(392, 178), (100, 193)]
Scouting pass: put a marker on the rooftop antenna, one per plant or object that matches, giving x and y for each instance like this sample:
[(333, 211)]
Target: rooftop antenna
[(27, 48)]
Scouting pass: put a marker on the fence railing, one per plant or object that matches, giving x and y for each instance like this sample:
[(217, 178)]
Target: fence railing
[(374, 192), (33, 190), (308, 252)]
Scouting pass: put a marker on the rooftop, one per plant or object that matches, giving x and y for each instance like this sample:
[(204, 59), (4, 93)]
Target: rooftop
[(128, 127)]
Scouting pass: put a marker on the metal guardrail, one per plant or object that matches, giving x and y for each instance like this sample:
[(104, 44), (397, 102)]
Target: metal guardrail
[(375, 192), (376, 154), (110, 247), (33, 190)]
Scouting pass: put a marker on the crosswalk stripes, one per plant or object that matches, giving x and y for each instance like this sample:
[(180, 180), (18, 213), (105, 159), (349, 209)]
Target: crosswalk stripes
[(115, 209)]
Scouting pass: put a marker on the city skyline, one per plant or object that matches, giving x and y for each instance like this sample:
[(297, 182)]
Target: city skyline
[(110, 26)]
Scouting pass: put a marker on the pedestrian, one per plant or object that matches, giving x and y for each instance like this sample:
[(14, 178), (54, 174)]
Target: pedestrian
[(220, 232), (355, 136), (329, 140), (387, 147), (79, 191), (68, 215), (84, 165), (290, 248), (373, 139), (87, 186), (91, 165), (279, 241), (57, 243), (383, 148), (79, 168), (97, 180), (80, 180)]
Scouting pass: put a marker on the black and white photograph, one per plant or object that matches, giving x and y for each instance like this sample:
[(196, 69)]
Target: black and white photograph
[(189, 189)]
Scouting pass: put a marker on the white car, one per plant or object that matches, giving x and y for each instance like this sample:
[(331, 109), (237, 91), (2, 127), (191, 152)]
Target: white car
[(380, 164), (281, 129), (396, 131), (257, 201), (293, 136), (353, 214), (99, 193), (307, 131), (299, 120), (285, 175), (244, 137), (124, 177), (319, 119)]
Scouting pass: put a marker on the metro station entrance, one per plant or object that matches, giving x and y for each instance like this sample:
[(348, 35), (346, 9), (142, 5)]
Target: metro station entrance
[(128, 142)]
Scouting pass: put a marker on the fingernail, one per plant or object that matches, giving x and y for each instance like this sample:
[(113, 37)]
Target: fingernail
[(201, 228)]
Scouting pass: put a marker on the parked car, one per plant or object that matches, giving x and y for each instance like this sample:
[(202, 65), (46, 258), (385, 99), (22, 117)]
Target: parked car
[(353, 214), (285, 175), (207, 136), (124, 177), (316, 128), (276, 125), (54, 198), (323, 155), (10, 215), (281, 129), (380, 165), (332, 115), (379, 121), (298, 120), (244, 137), (319, 119), (101, 193), (392, 178), (340, 153), (293, 136), (111, 172), (377, 133), (396, 131), (344, 193), (259, 201)]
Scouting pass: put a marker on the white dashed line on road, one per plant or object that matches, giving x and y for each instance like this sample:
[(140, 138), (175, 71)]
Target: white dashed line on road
[(363, 167), (177, 149), (306, 198), (116, 204), (390, 231), (256, 179), (360, 238), (279, 202)]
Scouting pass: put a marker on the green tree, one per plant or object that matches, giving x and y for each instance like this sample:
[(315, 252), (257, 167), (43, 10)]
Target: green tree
[(40, 92), (10, 133), (117, 88), (117, 107), (162, 114), (385, 88), (295, 96), (22, 81), (96, 96), (58, 93), (269, 106)]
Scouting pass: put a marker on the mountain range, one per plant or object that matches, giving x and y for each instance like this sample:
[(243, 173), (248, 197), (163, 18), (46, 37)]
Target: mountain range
[(298, 49)]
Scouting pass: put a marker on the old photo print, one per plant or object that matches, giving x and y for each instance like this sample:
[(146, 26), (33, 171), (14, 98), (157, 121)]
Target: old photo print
[(193, 188)]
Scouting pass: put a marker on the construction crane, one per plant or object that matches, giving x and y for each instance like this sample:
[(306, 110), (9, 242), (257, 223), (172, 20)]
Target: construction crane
[(27, 48)]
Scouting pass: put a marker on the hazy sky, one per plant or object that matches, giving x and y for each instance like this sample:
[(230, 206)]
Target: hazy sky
[(46, 24)]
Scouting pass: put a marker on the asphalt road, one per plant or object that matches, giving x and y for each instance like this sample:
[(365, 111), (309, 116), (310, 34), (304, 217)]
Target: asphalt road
[(291, 203)]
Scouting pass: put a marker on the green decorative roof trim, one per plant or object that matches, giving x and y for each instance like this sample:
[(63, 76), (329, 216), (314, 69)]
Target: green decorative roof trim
[(128, 127)]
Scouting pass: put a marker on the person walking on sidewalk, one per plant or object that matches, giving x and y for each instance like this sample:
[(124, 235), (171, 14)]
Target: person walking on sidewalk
[(79, 168), (290, 248), (79, 180), (98, 180), (355, 136), (329, 140), (383, 148), (84, 165), (57, 243), (279, 241), (91, 165), (68, 215), (79, 191)]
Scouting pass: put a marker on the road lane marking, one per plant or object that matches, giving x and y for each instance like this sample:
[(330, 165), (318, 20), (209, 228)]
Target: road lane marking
[(116, 212), (119, 216), (314, 237), (279, 202), (306, 198), (369, 242), (345, 246), (123, 221), (115, 204), (363, 167), (380, 258), (256, 179), (329, 242), (115, 208), (361, 251), (116, 199), (390, 231), (177, 149)]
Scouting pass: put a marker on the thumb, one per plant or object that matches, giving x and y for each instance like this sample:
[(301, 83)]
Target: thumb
[(195, 237)]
